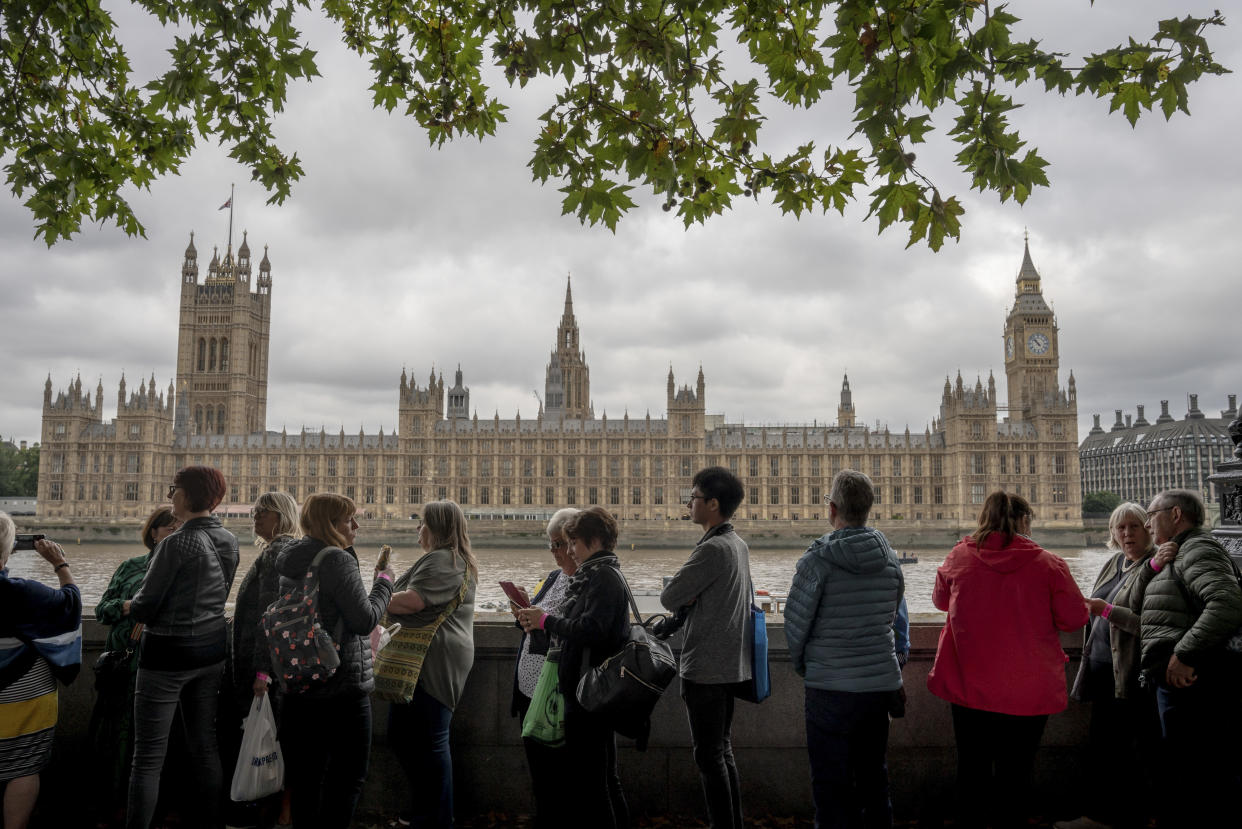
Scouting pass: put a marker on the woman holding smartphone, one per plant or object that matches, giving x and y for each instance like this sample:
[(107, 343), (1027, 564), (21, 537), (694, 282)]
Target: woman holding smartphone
[(546, 763)]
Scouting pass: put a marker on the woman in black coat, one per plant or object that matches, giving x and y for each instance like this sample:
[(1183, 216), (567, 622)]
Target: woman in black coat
[(593, 621)]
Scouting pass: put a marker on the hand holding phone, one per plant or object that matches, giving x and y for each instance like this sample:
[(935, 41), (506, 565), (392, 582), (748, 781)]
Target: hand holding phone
[(26, 541), (516, 594)]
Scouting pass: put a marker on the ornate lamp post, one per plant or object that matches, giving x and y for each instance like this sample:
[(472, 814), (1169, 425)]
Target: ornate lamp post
[(1228, 480)]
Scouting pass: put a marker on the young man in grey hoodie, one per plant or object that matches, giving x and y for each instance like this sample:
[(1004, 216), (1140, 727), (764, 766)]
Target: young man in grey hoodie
[(711, 593), (839, 623)]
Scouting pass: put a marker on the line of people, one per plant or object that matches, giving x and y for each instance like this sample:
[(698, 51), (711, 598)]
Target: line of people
[(1157, 664)]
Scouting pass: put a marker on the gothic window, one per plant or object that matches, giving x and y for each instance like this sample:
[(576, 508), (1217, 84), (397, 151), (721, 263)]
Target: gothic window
[(369, 495), (917, 463), (506, 495), (795, 495), (331, 462), (774, 466), (937, 467), (614, 494), (977, 463), (976, 493), (211, 355), (485, 495), (351, 467), (254, 466), (416, 466), (1031, 464), (592, 495), (202, 353), (571, 495), (273, 466), (371, 466), (442, 467), (896, 465), (463, 467), (1058, 466), (976, 430), (774, 495), (614, 467), (875, 466), (592, 467), (938, 494), (795, 466), (657, 495), (211, 420), (753, 466), (1003, 465), (236, 466), (636, 468), (548, 495), (528, 467), (220, 422), (312, 467), (636, 495), (897, 495), (224, 354), (549, 470), (918, 495), (752, 495), (506, 467)]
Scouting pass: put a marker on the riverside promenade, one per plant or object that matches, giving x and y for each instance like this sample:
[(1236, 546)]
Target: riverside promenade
[(492, 785)]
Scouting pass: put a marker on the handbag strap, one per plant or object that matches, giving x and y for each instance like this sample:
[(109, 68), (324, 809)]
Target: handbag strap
[(629, 594)]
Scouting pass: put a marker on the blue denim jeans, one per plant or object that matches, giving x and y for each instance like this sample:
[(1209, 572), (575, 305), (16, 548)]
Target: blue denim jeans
[(327, 746), (418, 732), (709, 709), (847, 740), (157, 695)]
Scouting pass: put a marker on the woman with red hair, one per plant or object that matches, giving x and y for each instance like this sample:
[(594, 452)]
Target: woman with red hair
[(181, 657)]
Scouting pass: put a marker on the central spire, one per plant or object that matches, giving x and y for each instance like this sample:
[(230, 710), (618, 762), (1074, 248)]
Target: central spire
[(567, 387)]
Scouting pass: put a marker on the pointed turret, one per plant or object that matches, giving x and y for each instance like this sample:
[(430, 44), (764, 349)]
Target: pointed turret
[(845, 408), (120, 394), (47, 390)]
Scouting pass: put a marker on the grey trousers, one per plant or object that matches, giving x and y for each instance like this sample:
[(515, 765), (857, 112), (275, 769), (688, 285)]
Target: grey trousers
[(157, 696)]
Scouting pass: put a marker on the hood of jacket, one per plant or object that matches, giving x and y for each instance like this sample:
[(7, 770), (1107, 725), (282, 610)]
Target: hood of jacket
[(859, 550), (1002, 557), (295, 558)]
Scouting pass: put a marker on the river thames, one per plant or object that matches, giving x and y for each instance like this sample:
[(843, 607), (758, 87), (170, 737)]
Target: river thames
[(772, 569)]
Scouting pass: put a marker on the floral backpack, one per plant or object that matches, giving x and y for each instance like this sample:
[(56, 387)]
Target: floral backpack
[(304, 655)]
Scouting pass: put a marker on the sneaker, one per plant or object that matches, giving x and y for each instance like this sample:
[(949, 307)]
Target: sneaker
[(1081, 823)]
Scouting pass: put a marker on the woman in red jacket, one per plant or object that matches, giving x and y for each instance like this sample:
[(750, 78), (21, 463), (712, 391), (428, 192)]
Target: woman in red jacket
[(999, 661)]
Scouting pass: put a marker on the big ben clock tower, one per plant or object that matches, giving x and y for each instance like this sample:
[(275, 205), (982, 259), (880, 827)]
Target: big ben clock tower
[(1031, 354)]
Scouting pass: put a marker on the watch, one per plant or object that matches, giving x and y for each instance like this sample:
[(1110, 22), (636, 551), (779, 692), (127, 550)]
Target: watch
[(1038, 343)]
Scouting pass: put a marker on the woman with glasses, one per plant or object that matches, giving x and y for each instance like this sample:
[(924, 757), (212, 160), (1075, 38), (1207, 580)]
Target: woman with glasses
[(999, 660), (1124, 722), (592, 625), (436, 594), (275, 517), (112, 721), (181, 659), (547, 777)]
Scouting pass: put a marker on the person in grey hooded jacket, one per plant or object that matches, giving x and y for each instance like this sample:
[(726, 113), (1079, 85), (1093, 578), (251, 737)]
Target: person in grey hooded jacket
[(839, 626)]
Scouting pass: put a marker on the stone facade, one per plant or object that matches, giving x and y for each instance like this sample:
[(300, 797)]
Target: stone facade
[(1137, 459), (639, 468)]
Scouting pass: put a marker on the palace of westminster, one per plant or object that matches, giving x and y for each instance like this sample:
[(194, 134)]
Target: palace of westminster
[(639, 468)]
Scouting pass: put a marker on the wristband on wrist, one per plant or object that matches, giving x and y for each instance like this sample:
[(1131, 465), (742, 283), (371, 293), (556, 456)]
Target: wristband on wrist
[(263, 676), (1108, 608), (58, 566), (542, 619), (1155, 566), (385, 576)]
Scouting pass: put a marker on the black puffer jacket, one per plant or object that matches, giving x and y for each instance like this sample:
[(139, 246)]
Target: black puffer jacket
[(188, 580), (348, 613), (597, 620)]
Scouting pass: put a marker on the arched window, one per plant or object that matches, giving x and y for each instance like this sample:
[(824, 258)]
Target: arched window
[(220, 421), (224, 354), (211, 421), (198, 419), (211, 356), (202, 353)]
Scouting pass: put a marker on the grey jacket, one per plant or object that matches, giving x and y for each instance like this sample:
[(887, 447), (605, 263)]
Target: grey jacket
[(346, 610), (716, 578), (1124, 622), (840, 612), (188, 579)]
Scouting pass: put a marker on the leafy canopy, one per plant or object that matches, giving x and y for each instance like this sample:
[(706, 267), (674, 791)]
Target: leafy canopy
[(667, 96)]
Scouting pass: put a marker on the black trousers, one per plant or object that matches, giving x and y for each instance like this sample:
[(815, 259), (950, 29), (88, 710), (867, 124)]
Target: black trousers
[(995, 758), (327, 747), (593, 789), (709, 708), (547, 775)]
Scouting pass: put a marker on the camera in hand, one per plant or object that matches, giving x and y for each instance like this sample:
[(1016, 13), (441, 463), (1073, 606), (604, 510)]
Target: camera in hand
[(26, 541)]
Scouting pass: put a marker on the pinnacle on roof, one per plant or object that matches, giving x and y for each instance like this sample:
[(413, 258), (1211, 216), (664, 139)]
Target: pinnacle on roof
[(244, 250), (191, 252), (265, 265), (1027, 271)]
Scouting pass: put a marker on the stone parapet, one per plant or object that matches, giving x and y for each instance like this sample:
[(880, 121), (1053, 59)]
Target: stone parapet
[(768, 740)]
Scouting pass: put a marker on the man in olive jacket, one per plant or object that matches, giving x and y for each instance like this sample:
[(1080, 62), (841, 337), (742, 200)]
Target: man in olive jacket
[(1190, 611)]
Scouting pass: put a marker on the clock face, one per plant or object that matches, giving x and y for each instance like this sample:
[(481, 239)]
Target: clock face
[(1009, 346), (1038, 343)]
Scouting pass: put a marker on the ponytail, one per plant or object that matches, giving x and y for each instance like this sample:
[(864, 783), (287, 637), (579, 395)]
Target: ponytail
[(1001, 513)]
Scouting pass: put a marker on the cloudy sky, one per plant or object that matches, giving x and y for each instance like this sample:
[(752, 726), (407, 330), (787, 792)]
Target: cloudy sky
[(392, 254)]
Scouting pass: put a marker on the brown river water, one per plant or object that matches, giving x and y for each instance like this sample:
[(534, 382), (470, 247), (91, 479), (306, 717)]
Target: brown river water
[(772, 569)]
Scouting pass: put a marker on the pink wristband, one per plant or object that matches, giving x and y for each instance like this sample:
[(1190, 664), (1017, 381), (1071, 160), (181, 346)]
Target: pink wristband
[(1154, 565), (1108, 608), (262, 676), (542, 619), (385, 576)]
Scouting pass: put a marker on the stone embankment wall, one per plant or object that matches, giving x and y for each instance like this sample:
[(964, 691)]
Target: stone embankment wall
[(768, 739)]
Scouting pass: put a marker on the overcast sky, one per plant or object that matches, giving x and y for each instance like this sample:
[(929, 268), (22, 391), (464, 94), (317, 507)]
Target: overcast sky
[(392, 254)]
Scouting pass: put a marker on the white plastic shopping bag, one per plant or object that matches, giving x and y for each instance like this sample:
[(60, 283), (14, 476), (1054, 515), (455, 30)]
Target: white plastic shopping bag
[(260, 765)]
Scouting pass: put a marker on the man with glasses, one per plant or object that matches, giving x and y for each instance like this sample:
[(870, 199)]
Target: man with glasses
[(839, 623), (1191, 609), (711, 594)]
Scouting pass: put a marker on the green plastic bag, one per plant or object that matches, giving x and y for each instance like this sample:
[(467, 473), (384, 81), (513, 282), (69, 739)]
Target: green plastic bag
[(545, 719)]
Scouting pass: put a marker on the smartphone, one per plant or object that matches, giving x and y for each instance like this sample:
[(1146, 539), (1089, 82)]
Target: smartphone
[(26, 541), (382, 562), (514, 594)]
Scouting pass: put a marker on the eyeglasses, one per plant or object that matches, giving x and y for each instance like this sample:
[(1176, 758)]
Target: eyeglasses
[(171, 489), (557, 545), (827, 500), (1152, 512), (693, 496)]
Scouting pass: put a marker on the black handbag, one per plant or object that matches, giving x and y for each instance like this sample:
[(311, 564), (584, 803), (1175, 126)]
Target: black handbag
[(112, 668), (627, 685)]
